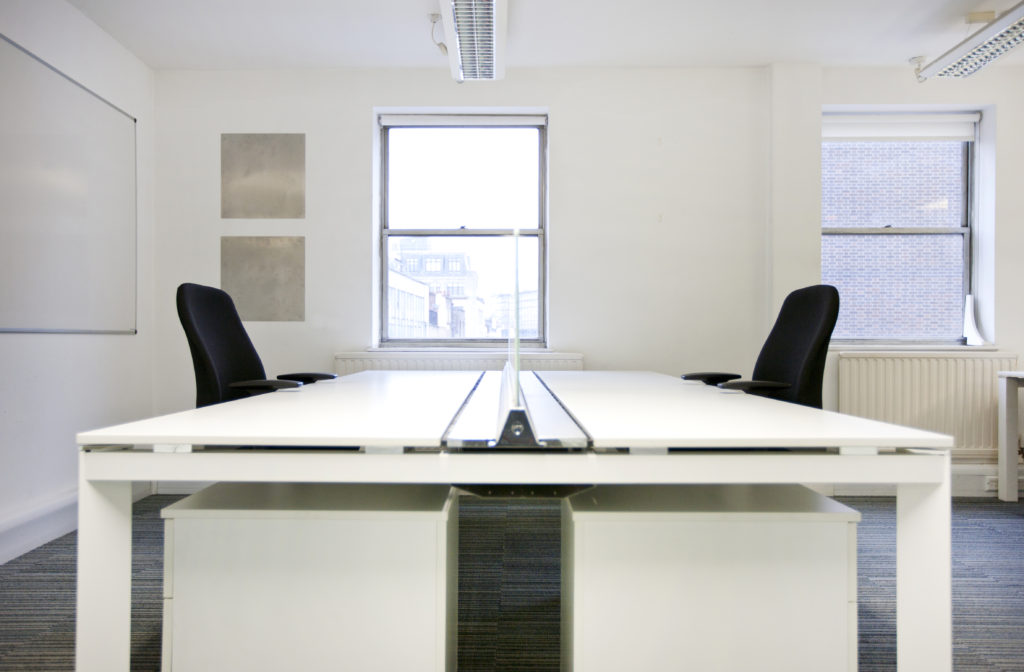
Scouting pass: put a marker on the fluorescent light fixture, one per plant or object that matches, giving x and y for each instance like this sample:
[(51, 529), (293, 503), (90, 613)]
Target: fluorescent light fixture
[(980, 49), (475, 33)]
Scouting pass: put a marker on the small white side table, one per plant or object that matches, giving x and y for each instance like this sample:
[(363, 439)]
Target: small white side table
[(1009, 382)]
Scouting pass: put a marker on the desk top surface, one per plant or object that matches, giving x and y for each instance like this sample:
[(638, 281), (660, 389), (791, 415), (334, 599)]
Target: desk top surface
[(617, 409)]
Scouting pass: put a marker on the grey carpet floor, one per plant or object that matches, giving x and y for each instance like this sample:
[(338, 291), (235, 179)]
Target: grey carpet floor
[(509, 589)]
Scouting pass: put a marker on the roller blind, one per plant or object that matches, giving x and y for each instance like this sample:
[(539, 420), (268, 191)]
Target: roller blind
[(867, 127), (462, 120)]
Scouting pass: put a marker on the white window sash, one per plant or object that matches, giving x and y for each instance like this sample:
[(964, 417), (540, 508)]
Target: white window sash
[(387, 120)]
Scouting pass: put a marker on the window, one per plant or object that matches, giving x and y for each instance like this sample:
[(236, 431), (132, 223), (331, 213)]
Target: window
[(896, 224), (462, 226)]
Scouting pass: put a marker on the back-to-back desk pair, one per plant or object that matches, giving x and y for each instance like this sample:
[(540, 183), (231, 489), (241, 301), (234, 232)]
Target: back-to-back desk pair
[(408, 426)]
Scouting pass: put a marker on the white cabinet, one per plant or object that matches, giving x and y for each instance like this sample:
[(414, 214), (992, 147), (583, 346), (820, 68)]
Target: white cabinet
[(713, 578), (311, 577)]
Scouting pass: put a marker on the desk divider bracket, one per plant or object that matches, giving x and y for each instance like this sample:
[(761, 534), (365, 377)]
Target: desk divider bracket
[(515, 427), (659, 450), (500, 415), (517, 431), (172, 447), (383, 450), (858, 450)]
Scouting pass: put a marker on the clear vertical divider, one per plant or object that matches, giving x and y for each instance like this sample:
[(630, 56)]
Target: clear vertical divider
[(515, 428), (513, 409)]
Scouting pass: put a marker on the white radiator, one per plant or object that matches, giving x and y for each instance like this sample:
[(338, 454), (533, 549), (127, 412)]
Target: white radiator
[(949, 392), (353, 362)]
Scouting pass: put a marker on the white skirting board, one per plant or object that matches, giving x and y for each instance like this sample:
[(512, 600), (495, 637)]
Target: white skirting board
[(44, 521), (33, 526)]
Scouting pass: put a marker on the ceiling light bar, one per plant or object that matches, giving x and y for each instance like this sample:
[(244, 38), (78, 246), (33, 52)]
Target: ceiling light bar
[(979, 49), (477, 29)]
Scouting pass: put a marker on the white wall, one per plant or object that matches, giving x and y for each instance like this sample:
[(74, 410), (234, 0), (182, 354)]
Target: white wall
[(659, 184), (794, 234), (684, 203), (56, 385)]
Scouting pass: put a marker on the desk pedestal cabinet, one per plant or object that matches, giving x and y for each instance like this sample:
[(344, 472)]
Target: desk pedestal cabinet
[(310, 577), (728, 578)]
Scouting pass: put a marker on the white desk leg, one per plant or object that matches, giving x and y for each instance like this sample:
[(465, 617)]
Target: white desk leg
[(924, 594), (102, 640), (1008, 430)]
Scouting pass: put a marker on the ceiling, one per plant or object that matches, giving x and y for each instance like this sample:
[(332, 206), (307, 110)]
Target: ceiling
[(261, 34)]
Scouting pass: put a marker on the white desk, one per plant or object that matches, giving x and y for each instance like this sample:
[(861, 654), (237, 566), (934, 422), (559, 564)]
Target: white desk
[(385, 411), (1009, 382)]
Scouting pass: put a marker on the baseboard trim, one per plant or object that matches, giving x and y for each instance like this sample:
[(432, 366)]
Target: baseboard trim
[(32, 527), (44, 521)]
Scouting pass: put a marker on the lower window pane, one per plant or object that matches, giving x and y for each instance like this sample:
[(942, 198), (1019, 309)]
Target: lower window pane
[(896, 287), (461, 287)]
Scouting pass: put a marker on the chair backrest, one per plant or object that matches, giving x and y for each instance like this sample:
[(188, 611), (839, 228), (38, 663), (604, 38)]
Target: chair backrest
[(222, 352), (795, 350)]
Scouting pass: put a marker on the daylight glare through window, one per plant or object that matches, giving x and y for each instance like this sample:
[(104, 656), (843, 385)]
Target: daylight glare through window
[(462, 198)]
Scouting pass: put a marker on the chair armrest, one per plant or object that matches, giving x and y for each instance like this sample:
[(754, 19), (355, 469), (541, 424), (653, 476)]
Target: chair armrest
[(307, 378), (710, 377), (261, 386), (753, 386)]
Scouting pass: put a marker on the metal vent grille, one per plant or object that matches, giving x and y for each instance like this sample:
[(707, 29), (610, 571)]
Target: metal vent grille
[(475, 28)]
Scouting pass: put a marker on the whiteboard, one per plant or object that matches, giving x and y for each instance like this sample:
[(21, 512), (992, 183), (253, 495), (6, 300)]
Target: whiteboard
[(67, 203)]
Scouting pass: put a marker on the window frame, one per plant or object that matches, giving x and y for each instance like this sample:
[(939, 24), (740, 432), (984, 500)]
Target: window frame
[(926, 130), (387, 121)]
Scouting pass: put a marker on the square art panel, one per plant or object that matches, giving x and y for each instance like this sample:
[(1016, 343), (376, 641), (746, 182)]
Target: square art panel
[(266, 276), (263, 175)]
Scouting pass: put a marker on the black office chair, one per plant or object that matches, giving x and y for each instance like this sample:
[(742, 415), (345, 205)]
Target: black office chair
[(792, 360), (227, 365)]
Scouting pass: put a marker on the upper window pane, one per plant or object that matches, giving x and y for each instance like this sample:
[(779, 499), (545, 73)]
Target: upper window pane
[(456, 177), (893, 184)]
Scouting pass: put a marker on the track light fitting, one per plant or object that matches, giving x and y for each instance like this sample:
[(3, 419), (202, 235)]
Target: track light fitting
[(980, 49)]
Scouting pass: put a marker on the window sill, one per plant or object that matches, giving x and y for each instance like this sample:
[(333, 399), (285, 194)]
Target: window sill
[(896, 346), (461, 359), (456, 349)]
